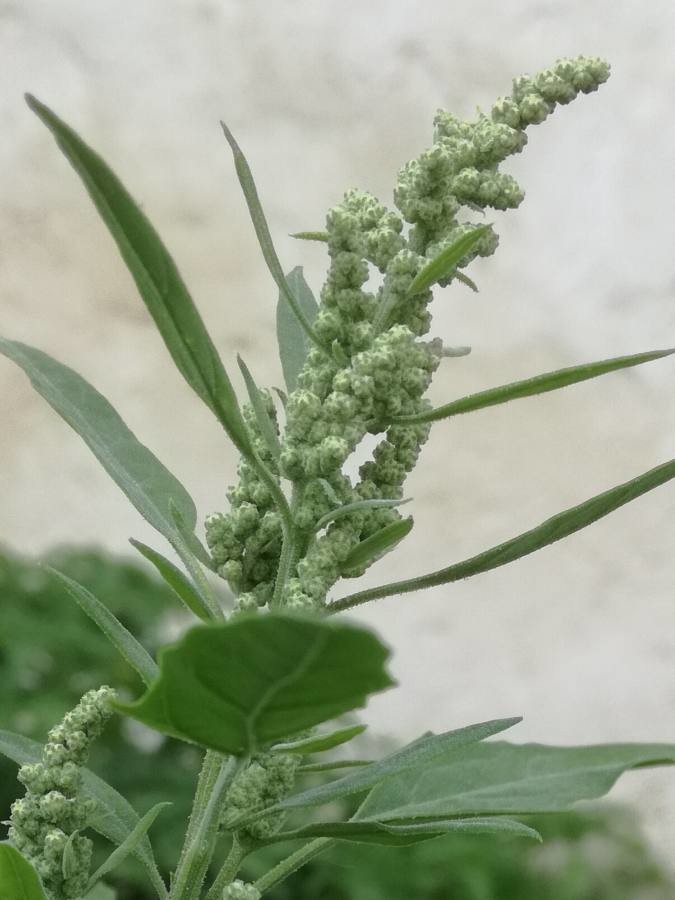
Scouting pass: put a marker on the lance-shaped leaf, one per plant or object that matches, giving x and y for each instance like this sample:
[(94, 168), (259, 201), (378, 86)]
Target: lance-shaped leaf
[(263, 234), (141, 476), (157, 278), (18, 878), (377, 545), (416, 755), (176, 580), (114, 818), (500, 778), (122, 640), (442, 265), (401, 835), (291, 336), (318, 743), (265, 424), (554, 529), (128, 846), (250, 682), (529, 387)]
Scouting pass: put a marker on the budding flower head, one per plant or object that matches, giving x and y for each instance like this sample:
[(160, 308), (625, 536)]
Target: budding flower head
[(45, 824), (240, 890)]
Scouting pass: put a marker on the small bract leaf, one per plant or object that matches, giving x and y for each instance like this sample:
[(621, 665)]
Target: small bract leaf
[(291, 336), (321, 236), (501, 778), (176, 580), (377, 545), (18, 878), (357, 506), (442, 265), (317, 743), (114, 818), (124, 642), (265, 424), (137, 472), (157, 278), (128, 846), (239, 686)]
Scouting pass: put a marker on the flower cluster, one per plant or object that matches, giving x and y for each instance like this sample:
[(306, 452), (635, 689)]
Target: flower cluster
[(240, 890), (372, 367), (45, 825), (269, 778)]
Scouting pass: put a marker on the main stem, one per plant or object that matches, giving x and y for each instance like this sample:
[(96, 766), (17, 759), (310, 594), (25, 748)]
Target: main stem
[(215, 778)]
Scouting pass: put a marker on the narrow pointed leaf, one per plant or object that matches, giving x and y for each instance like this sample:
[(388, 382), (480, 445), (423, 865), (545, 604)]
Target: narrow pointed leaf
[(495, 778), (455, 351), (263, 233), (291, 336), (334, 765), (157, 278), (265, 424), (357, 506), (416, 755), (253, 681), (529, 387), (554, 529), (123, 641), (377, 545), (176, 580), (114, 818), (442, 265), (128, 846), (470, 283), (318, 743), (321, 236), (400, 835), (137, 472), (18, 878)]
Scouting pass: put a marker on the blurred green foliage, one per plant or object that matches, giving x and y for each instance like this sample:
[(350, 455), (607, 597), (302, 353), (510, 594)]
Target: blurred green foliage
[(51, 653)]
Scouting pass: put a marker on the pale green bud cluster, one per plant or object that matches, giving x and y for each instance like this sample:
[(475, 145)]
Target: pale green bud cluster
[(45, 824), (269, 778), (372, 368), (240, 890)]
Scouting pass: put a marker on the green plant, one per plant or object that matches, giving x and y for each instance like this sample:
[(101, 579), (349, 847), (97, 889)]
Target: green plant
[(252, 688)]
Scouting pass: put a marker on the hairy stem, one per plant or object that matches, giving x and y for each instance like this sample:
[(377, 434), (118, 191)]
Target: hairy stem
[(214, 781), (228, 871)]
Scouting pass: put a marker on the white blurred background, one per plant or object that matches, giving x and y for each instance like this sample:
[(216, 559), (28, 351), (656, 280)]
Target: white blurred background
[(580, 639)]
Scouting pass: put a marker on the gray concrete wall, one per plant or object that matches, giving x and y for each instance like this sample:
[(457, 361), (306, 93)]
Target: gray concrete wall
[(326, 95)]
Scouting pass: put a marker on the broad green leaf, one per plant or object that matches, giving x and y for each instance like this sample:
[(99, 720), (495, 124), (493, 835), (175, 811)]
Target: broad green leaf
[(317, 743), (141, 476), (321, 236), (554, 529), (442, 265), (124, 642), (176, 580), (263, 234), (114, 818), (18, 878), (157, 278), (128, 846), (529, 387), (242, 685), (495, 778), (357, 506), (408, 833), (266, 426), (291, 336), (413, 756), (375, 546)]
